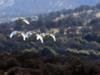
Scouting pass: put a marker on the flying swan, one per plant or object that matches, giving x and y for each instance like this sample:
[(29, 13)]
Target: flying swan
[(21, 20), (48, 34), (18, 33)]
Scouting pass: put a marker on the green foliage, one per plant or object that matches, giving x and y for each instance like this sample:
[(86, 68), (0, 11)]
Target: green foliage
[(30, 50), (50, 50), (3, 37)]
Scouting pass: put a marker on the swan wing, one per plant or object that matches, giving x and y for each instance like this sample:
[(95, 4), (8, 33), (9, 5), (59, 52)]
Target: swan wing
[(28, 34), (13, 33), (26, 21), (24, 36), (39, 37), (53, 36)]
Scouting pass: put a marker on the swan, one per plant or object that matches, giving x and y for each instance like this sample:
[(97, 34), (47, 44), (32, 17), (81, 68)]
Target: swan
[(21, 19), (48, 34), (18, 33)]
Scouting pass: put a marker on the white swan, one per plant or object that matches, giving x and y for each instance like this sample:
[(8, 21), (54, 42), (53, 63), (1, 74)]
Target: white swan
[(18, 33), (48, 34), (39, 37), (21, 19)]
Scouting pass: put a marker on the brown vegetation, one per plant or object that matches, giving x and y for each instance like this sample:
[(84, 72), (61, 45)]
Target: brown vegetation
[(23, 64)]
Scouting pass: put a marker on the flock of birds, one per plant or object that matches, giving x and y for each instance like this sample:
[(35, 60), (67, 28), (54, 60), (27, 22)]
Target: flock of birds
[(41, 36), (26, 35)]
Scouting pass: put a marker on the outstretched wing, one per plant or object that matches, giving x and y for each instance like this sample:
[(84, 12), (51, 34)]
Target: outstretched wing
[(39, 37), (26, 21), (23, 35), (13, 33), (21, 20), (53, 36)]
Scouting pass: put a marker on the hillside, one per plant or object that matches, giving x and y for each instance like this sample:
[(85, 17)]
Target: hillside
[(80, 25), (76, 51)]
